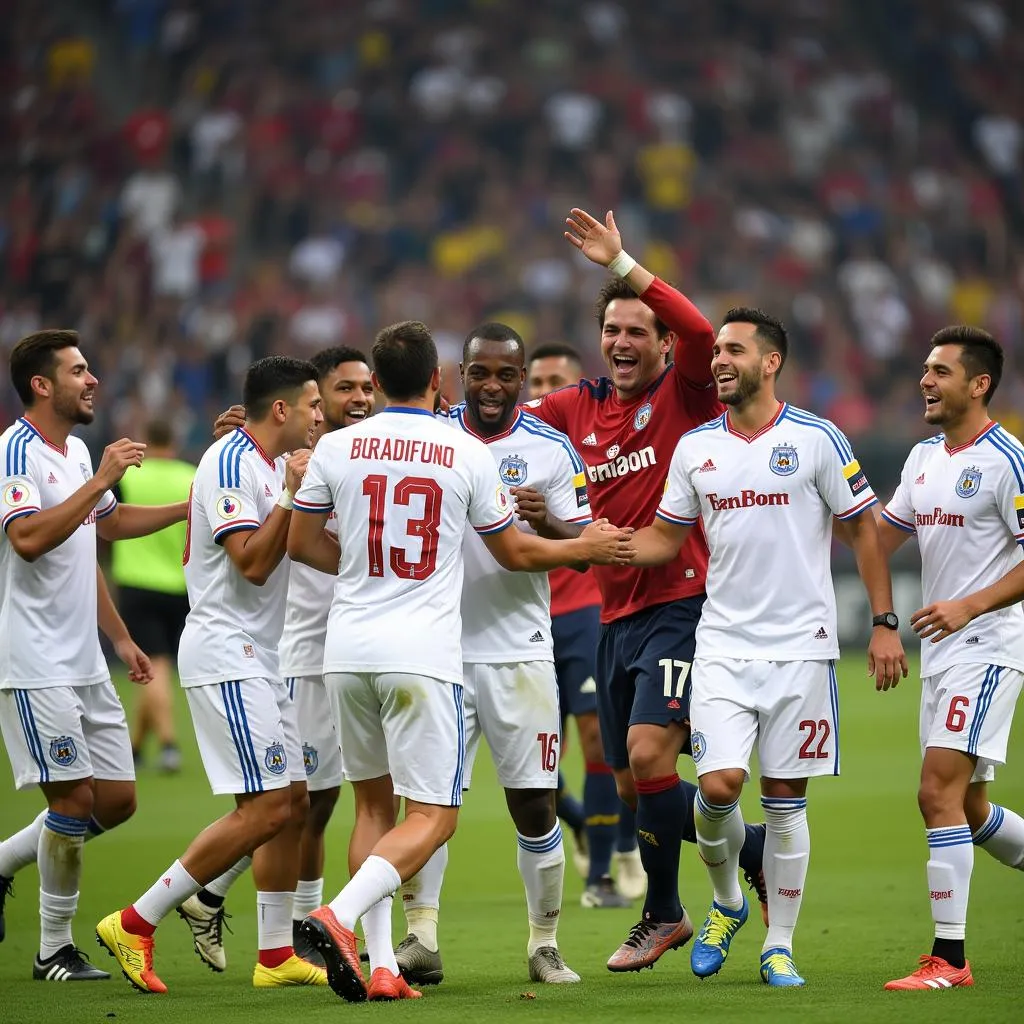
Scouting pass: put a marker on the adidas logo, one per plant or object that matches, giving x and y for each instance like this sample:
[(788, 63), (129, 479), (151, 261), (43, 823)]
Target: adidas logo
[(973, 640), (920, 479), (708, 467), (51, 479), (537, 638), (267, 491), (674, 704), (590, 439), (821, 634)]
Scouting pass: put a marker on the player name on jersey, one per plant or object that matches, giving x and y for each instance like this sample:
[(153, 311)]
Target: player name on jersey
[(400, 449)]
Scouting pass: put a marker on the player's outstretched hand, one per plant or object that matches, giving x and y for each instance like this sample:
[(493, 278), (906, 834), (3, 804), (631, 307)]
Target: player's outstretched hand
[(607, 544), (140, 669), (600, 243), (229, 420), (942, 619), (530, 506), (118, 458), (886, 659), (295, 468)]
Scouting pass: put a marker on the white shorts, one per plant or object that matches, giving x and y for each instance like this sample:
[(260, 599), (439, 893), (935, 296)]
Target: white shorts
[(321, 752), (790, 709), (515, 707), (970, 708), (248, 735), (407, 726), (63, 733)]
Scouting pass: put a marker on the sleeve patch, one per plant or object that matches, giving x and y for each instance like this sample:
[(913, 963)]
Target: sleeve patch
[(1018, 505), (855, 478), (16, 496), (579, 483), (229, 507)]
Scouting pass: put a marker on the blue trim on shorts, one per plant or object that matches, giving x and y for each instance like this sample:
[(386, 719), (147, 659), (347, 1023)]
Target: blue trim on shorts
[(988, 689), (28, 725), (231, 693), (460, 767), (833, 693)]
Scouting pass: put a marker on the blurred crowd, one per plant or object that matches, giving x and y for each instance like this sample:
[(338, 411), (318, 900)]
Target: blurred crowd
[(195, 183)]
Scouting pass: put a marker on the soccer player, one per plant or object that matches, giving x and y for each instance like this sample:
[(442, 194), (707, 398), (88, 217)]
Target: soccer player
[(625, 427), (151, 588), (404, 486), (244, 718), (575, 628), (766, 480), (346, 393), (962, 493), (61, 720)]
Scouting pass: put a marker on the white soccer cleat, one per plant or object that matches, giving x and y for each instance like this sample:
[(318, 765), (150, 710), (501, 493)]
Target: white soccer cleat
[(630, 876), (207, 926), (547, 966)]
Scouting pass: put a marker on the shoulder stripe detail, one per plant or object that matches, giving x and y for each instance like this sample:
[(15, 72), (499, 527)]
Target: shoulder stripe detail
[(937, 439), (1015, 458), (835, 435), (718, 423), (231, 459), (897, 522), (16, 450), (532, 426)]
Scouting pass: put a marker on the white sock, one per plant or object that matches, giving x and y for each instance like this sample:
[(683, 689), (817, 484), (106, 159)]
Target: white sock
[(787, 849), (720, 835), (274, 920), (541, 862), (20, 850), (220, 885), (950, 863), (309, 896), (376, 879), (59, 855), (1002, 836), (170, 890), (421, 898), (377, 935)]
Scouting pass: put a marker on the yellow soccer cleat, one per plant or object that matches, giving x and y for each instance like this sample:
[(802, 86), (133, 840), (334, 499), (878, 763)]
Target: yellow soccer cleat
[(294, 971), (134, 953)]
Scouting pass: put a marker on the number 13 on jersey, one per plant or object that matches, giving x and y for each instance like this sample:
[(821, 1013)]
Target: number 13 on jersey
[(425, 529)]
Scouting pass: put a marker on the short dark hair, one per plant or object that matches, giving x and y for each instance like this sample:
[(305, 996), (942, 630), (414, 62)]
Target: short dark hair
[(494, 331), (272, 378), (616, 288), (770, 330), (326, 360), (404, 359), (556, 350), (36, 356), (979, 352), (159, 433)]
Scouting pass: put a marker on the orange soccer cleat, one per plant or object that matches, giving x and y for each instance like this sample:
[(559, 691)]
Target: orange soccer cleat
[(934, 973), (385, 986)]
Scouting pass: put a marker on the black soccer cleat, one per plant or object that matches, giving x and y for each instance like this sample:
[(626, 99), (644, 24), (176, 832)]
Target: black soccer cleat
[(6, 889), (68, 964), (305, 949)]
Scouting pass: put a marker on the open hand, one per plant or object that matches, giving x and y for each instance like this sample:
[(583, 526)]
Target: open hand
[(942, 619), (886, 659), (600, 243), (530, 506)]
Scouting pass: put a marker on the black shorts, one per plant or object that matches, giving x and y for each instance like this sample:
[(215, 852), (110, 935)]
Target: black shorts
[(575, 641), (643, 672), (154, 619)]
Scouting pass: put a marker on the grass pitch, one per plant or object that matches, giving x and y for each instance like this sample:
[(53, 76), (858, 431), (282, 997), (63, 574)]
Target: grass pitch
[(865, 917)]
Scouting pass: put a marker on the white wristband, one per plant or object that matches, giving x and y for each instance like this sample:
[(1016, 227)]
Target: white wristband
[(622, 264), (286, 501)]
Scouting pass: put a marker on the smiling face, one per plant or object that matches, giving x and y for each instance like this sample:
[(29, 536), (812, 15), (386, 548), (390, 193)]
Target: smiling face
[(347, 395), (949, 392), (741, 363), (630, 346), (303, 417), (72, 386), (492, 377)]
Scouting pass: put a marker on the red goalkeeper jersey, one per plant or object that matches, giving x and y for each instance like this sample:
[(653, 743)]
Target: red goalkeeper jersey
[(627, 447)]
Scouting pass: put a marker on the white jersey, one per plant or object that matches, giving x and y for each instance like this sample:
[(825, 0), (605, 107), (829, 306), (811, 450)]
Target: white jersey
[(233, 628), (48, 631), (506, 616), (767, 504), (404, 486), (966, 506), (310, 591)]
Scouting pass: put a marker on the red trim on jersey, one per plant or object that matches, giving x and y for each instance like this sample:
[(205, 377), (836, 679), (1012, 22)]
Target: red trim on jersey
[(757, 433), (897, 522), (851, 513), (464, 423), (973, 441), (45, 439), (263, 455)]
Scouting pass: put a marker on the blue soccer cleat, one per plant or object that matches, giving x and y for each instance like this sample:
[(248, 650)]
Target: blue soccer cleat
[(778, 969), (711, 946)]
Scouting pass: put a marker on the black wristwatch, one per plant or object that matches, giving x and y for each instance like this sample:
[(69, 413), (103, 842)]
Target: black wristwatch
[(887, 619)]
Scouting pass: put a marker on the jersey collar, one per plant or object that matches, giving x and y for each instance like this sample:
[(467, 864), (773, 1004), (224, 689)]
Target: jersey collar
[(259, 449), (768, 426), (464, 423), (991, 425), (408, 410), (49, 444)]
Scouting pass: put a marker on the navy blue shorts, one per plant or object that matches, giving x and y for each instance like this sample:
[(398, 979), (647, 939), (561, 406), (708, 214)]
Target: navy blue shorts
[(575, 640), (643, 672)]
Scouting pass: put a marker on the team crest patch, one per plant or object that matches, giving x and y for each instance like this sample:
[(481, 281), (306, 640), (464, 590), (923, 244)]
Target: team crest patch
[(310, 758), (969, 482), (63, 751), (612, 451), (15, 495), (698, 745), (512, 471), (784, 461), (275, 759), (642, 417), (501, 500), (228, 507)]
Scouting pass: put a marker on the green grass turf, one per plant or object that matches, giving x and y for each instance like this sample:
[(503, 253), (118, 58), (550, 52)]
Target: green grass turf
[(865, 917)]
